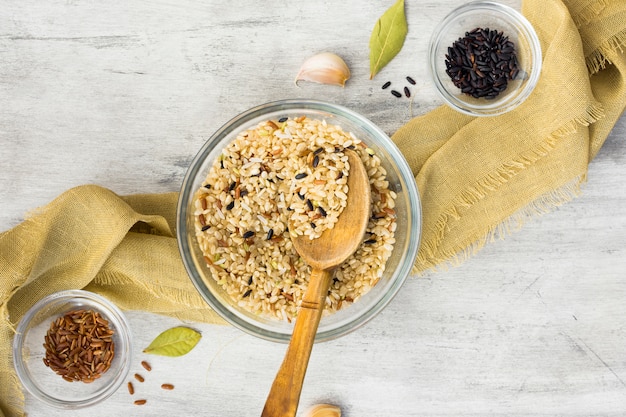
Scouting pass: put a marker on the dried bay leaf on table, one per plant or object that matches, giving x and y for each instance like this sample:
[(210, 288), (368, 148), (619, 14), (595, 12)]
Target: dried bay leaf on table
[(387, 37), (177, 341)]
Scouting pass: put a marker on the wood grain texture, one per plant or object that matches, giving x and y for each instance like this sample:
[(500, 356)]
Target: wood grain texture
[(324, 255), (124, 93)]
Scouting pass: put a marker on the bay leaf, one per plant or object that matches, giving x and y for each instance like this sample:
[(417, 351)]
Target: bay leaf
[(177, 341), (387, 37)]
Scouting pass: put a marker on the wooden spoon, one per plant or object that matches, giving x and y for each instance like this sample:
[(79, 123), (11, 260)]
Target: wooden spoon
[(323, 254)]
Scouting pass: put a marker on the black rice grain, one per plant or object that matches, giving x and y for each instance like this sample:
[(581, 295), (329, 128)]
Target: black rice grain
[(370, 241), (407, 92), (283, 119), (386, 85), (482, 63), (396, 93), (301, 175), (230, 205), (205, 228), (322, 211), (309, 204), (248, 234), (410, 80), (316, 161), (270, 233)]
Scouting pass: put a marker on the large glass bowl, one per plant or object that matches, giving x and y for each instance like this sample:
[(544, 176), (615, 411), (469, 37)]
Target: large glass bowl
[(28, 351), (495, 16), (407, 235)]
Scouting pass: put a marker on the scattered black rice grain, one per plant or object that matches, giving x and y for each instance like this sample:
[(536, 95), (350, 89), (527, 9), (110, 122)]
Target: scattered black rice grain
[(243, 193), (232, 185), (230, 205), (205, 228), (248, 234), (301, 196), (270, 233), (247, 293), (340, 175), (301, 175), (316, 161), (250, 280), (396, 93), (386, 85), (410, 80), (207, 186), (309, 204), (482, 63), (283, 119), (318, 151), (313, 225), (370, 241), (322, 211), (351, 147), (407, 92)]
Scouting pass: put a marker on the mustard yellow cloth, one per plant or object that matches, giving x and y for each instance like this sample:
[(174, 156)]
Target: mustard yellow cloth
[(477, 178), (480, 177)]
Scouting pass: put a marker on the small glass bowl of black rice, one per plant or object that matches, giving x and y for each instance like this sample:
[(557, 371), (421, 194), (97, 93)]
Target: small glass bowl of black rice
[(485, 58)]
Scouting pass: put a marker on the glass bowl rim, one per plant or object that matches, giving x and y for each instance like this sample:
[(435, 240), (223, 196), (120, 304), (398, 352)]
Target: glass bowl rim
[(414, 213), (111, 311), (526, 30)]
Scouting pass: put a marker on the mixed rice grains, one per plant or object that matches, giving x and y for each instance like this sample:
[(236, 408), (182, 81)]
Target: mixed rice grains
[(285, 178)]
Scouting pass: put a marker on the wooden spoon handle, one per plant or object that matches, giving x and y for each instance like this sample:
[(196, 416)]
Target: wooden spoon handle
[(282, 401)]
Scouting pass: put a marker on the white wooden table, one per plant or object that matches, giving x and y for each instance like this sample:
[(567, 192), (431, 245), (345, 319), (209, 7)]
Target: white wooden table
[(123, 94)]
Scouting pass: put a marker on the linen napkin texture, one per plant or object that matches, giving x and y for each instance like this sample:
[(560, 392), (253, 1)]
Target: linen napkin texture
[(478, 178)]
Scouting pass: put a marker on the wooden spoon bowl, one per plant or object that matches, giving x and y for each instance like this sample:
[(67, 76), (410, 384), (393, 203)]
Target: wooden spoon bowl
[(323, 254)]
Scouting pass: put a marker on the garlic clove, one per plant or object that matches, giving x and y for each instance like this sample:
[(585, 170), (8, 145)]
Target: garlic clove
[(324, 410), (324, 68)]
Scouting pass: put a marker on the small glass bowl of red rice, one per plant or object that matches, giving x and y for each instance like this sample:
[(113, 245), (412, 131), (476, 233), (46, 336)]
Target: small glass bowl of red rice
[(96, 357), (266, 163)]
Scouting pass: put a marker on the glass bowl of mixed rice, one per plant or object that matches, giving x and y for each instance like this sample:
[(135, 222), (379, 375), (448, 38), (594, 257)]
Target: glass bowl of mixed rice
[(277, 171)]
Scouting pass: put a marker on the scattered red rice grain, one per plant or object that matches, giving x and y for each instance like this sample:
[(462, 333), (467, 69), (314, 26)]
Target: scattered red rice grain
[(146, 366)]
